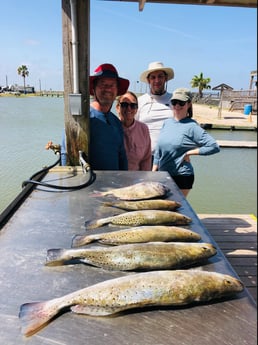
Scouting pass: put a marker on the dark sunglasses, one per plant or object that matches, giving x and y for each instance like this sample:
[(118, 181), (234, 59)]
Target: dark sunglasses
[(176, 101), (125, 105)]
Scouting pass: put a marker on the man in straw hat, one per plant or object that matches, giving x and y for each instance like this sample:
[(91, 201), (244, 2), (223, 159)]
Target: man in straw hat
[(154, 106), (106, 148)]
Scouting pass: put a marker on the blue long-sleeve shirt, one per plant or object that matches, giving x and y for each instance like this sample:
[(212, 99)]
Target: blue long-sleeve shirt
[(175, 139), (106, 149)]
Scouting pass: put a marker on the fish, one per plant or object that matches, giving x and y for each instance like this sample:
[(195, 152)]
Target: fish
[(136, 256), (138, 191), (154, 204), (140, 234), (138, 290), (143, 217)]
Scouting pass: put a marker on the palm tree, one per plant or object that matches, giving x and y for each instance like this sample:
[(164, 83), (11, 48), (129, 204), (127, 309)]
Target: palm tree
[(24, 72), (200, 82)]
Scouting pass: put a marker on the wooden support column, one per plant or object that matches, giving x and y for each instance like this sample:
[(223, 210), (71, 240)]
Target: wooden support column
[(76, 126)]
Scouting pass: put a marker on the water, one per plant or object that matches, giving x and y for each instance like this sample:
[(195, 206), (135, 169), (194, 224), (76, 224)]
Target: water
[(26, 124), (224, 183)]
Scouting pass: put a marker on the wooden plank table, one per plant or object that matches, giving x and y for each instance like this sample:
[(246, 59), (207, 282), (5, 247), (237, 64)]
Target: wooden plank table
[(49, 219)]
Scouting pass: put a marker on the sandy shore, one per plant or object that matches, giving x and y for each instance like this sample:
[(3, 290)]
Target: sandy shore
[(205, 114)]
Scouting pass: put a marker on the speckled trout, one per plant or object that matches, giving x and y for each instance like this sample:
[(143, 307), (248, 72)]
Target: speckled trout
[(148, 289), (138, 191), (140, 234), (144, 217), (136, 256), (154, 204)]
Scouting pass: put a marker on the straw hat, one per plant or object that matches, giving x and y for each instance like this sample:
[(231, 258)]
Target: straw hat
[(107, 70), (156, 66)]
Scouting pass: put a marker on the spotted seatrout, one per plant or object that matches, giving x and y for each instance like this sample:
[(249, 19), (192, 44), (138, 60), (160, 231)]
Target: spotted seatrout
[(154, 204), (137, 256), (144, 217), (159, 288), (138, 191), (140, 234)]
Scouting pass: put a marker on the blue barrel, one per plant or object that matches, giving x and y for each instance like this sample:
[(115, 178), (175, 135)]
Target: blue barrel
[(247, 109)]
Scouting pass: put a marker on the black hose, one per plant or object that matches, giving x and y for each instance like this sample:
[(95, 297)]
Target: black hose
[(35, 180), (90, 180)]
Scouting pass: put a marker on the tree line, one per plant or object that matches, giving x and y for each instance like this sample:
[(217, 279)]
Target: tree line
[(198, 81)]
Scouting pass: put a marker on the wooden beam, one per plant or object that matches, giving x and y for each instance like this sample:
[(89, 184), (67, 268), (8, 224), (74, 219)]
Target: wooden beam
[(76, 126), (230, 3)]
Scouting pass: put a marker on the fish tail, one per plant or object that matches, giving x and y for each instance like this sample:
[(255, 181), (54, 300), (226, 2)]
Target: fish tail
[(108, 203), (95, 193), (55, 257), (96, 223), (34, 316), (80, 240)]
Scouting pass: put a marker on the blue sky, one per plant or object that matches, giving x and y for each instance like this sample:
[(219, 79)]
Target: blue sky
[(219, 41)]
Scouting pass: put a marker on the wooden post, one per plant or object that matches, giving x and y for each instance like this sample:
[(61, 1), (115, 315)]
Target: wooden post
[(250, 118), (220, 103), (76, 126)]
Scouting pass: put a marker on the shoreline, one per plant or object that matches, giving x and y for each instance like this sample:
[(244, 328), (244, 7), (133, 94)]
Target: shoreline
[(206, 115)]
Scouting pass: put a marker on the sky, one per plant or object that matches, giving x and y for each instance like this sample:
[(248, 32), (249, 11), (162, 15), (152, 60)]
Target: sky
[(218, 41)]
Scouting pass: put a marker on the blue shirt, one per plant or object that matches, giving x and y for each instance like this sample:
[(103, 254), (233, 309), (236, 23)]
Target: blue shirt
[(175, 139), (106, 149)]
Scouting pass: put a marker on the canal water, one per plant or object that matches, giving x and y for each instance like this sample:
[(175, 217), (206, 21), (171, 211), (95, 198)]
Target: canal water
[(224, 183)]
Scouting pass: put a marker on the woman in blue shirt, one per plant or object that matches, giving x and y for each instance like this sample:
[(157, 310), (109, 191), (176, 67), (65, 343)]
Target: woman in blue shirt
[(180, 138)]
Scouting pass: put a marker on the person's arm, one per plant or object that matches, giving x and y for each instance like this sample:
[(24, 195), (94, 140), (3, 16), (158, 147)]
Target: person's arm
[(155, 167), (123, 162), (206, 144), (145, 164), (193, 152)]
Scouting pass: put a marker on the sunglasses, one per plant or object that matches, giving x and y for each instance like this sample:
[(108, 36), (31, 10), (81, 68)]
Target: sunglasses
[(125, 105), (176, 101)]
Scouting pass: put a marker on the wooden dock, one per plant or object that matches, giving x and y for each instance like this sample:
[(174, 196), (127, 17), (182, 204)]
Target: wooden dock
[(236, 236), (237, 144)]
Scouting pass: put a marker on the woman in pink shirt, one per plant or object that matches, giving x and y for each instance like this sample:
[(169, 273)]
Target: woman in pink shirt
[(136, 134)]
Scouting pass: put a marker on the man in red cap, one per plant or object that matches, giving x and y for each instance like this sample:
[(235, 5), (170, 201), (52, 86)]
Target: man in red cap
[(106, 149)]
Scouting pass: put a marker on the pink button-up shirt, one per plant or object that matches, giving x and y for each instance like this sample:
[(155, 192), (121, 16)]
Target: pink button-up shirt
[(138, 146)]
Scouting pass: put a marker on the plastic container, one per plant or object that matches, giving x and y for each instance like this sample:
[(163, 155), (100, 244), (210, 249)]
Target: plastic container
[(247, 109)]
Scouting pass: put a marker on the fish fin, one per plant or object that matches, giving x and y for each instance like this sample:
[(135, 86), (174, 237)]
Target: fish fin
[(94, 310), (80, 240), (34, 316), (54, 257)]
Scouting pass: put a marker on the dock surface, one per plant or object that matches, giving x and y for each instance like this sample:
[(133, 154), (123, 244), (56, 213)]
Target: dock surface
[(236, 235), (237, 144), (51, 219)]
